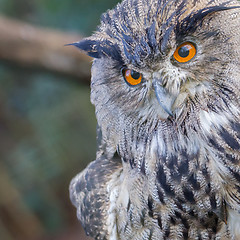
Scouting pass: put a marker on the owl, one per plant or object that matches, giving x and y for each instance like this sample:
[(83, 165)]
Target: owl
[(166, 88)]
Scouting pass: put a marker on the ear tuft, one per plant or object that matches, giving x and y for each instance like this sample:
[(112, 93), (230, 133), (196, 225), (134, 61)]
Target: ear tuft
[(89, 46), (99, 49)]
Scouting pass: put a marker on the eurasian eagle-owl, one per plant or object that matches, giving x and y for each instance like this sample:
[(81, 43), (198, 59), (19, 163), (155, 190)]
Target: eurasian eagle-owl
[(166, 85)]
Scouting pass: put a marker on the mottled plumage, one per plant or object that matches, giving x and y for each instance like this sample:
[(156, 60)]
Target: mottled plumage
[(168, 158)]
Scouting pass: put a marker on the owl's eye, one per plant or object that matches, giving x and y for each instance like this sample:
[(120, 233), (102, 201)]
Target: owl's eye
[(132, 77), (185, 52)]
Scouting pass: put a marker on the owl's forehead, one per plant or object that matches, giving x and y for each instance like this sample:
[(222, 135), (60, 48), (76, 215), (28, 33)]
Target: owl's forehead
[(143, 30)]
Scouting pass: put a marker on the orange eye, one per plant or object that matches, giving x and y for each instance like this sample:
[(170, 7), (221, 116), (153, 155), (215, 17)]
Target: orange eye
[(132, 77), (185, 52)]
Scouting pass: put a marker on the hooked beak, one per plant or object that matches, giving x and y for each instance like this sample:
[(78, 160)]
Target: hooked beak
[(164, 97)]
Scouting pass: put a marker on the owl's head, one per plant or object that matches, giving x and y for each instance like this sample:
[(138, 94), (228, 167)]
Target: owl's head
[(161, 60)]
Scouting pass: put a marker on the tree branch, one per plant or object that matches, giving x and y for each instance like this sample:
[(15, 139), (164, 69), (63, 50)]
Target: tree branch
[(34, 47)]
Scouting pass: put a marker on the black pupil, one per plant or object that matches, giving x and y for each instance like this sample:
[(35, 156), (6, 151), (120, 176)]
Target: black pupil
[(183, 52), (135, 75)]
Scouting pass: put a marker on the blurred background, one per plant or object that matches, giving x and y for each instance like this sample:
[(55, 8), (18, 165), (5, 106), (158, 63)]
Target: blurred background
[(47, 123)]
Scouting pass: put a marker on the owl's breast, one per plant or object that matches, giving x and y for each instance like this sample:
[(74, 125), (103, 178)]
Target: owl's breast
[(169, 204), (175, 185)]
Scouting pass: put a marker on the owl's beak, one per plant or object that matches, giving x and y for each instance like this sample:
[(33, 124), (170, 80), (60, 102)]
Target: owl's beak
[(165, 99)]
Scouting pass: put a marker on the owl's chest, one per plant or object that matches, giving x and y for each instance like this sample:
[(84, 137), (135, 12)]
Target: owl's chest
[(160, 207), (182, 186), (173, 193), (152, 207)]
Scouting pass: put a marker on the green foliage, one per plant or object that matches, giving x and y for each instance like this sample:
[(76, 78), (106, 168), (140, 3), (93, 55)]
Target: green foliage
[(72, 15)]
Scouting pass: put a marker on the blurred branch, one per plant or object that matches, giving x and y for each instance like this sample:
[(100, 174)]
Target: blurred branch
[(34, 47)]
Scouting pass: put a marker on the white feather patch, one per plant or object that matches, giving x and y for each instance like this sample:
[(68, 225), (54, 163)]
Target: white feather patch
[(211, 120), (234, 223), (113, 188)]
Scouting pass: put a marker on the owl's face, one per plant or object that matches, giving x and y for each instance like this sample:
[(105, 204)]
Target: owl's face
[(160, 61)]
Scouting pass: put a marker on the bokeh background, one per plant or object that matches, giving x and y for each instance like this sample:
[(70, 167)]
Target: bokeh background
[(47, 123)]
